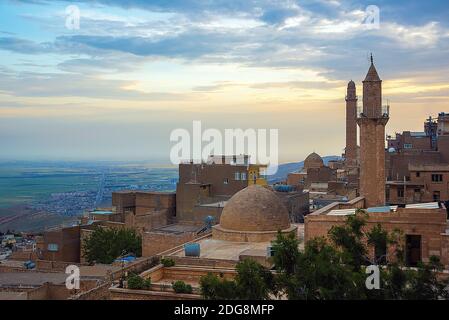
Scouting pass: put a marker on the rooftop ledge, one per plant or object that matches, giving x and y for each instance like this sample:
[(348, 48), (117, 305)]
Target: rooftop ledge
[(350, 208)]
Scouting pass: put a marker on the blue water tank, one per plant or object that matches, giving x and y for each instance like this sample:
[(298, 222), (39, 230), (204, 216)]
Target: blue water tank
[(284, 188), (192, 249), (209, 221)]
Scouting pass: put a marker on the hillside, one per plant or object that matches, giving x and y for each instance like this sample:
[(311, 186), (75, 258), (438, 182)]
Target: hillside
[(285, 168)]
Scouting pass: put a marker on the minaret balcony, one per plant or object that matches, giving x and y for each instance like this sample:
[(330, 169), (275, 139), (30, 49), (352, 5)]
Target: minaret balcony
[(379, 113)]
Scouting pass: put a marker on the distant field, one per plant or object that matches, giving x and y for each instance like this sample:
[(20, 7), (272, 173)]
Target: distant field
[(28, 183), (24, 185)]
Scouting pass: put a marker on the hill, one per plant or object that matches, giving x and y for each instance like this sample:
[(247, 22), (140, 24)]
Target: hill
[(285, 168)]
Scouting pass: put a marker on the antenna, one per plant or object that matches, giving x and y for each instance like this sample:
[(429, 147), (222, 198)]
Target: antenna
[(368, 56)]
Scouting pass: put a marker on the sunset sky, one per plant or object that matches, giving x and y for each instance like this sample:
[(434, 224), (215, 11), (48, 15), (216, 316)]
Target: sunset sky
[(138, 69)]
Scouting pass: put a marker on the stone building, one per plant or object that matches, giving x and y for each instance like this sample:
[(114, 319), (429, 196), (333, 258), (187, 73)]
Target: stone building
[(295, 199), (372, 121), (254, 214), (313, 171), (351, 156), (60, 245), (425, 226), (415, 162), (249, 222), (426, 183), (202, 185), (145, 210)]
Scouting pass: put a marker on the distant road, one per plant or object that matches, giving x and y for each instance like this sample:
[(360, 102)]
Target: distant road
[(99, 197)]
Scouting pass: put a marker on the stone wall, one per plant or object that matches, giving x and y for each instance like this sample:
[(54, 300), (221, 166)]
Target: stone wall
[(126, 294), (156, 242), (247, 236), (49, 291), (68, 244), (430, 224), (55, 266)]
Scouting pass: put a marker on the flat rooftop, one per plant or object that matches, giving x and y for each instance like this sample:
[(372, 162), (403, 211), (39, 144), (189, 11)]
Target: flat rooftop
[(13, 295), (219, 204), (30, 279), (177, 228), (225, 250), (102, 212), (383, 209), (146, 192), (229, 250)]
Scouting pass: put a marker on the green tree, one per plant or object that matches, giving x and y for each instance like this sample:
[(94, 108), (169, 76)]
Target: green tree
[(348, 238), (286, 253), (322, 275), (254, 282), (332, 268), (105, 245), (215, 288)]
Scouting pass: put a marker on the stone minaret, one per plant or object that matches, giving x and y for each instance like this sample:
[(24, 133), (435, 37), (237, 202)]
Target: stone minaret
[(351, 126), (372, 123)]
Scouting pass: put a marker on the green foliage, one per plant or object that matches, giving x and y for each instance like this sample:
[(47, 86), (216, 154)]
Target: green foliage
[(168, 262), (254, 282), (320, 274), (136, 282), (348, 238), (105, 245), (332, 269), (181, 287), (378, 238), (215, 288), (286, 252)]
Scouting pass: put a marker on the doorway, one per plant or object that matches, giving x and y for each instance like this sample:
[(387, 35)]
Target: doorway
[(413, 247)]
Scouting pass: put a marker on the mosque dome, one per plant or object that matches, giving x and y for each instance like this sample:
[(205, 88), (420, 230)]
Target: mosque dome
[(313, 160), (255, 208)]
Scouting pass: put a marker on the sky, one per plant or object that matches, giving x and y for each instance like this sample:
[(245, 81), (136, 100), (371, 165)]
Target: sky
[(135, 70)]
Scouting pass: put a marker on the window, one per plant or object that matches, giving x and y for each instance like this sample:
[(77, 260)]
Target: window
[(436, 196), (408, 146), (400, 193), (243, 175), (237, 176), (226, 181), (418, 174), (53, 247), (437, 177)]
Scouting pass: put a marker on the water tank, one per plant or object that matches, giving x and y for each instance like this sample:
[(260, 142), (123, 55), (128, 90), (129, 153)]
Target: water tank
[(209, 220), (192, 249), (284, 188), (29, 265)]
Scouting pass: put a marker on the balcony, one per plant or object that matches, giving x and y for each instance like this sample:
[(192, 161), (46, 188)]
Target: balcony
[(384, 112)]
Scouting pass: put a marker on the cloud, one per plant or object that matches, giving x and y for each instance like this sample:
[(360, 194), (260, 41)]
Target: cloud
[(74, 85), (190, 45), (23, 46), (424, 36)]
